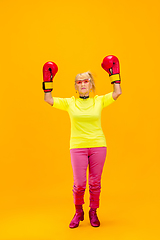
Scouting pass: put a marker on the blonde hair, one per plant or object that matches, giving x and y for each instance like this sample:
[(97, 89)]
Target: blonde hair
[(89, 75)]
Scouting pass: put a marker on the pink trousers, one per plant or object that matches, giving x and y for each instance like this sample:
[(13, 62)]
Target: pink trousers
[(81, 158)]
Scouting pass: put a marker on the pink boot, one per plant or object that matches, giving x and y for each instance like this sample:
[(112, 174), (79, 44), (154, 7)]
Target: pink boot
[(79, 216), (93, 218)]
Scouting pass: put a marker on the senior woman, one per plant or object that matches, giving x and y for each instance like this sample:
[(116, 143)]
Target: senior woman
[(87, 142)]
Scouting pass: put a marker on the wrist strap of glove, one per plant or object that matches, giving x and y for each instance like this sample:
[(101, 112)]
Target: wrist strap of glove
[(115, 78), (116, 82), (47, 85)]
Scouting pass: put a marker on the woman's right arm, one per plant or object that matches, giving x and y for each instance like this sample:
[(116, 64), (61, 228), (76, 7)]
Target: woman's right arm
[(48, 98)]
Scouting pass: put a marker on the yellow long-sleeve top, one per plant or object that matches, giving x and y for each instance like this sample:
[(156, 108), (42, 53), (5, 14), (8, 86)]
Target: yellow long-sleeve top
[(85, 116)]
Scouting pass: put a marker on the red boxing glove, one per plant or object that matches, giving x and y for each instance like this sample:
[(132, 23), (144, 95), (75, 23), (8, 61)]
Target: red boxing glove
[(49, 71), (111, 65)]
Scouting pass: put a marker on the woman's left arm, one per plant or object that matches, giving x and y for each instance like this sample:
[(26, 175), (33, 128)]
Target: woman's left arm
[(117, 91)]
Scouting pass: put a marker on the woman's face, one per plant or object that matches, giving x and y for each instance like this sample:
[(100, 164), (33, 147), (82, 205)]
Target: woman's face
[(83, 85)]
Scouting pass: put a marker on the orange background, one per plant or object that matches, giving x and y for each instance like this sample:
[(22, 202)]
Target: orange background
[(36, 179)]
